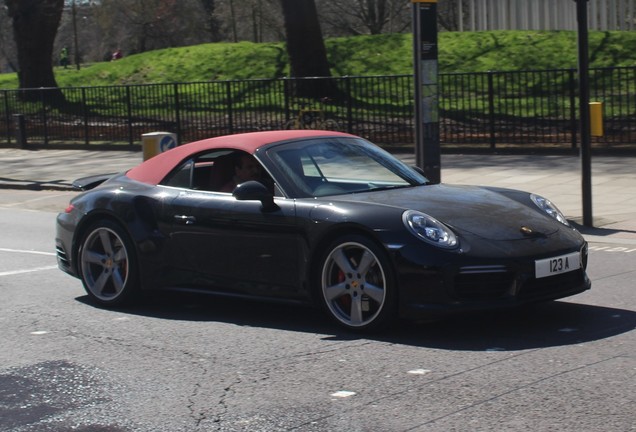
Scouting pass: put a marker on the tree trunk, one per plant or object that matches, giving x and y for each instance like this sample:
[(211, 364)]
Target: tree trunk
[(306, 48), (35, 24), (211, 22)]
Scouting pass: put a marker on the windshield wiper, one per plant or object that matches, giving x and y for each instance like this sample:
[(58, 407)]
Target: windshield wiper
[(387, 187)]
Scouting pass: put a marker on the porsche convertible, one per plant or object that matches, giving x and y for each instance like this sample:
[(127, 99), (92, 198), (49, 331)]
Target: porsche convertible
[(315, 217)]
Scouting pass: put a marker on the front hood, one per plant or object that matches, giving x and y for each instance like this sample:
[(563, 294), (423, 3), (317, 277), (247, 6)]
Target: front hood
[(470, 209)]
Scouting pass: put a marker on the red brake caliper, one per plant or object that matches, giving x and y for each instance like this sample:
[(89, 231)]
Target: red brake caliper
[(345, 300)]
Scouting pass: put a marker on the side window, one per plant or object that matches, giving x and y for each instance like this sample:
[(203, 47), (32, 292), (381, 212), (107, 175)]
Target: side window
[(196, 173), (235, 168), (181, 177), (218, 171)]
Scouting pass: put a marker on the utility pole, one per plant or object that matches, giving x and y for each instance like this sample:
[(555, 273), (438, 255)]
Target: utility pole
[(584, 112), (425, 53)]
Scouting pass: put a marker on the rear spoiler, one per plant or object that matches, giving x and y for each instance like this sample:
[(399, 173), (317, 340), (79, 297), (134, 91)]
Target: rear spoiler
[(87, 183)]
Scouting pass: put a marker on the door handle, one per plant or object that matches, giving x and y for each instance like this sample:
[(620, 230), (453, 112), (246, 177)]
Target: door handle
[(185, 219)]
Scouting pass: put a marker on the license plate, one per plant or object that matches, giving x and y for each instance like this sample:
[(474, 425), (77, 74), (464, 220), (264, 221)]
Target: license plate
[(557, 265)]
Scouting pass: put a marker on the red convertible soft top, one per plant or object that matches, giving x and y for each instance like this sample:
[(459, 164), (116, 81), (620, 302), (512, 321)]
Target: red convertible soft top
[(154, 170)]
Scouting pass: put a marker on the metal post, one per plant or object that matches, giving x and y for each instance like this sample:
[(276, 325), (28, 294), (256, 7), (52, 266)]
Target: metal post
[(572, 87), (6, 119), (427, 147), (491, 109), (131, 139), (177, 109), (230, 108), (20, 130), (85, 115), (584, 113)]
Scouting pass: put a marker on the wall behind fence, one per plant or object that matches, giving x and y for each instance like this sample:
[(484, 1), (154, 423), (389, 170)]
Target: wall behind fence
[(494, 109)]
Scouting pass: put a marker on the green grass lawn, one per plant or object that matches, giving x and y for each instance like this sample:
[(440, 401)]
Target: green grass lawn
[(388, 54)]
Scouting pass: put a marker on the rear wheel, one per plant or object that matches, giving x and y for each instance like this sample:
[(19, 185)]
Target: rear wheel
[(357, 284), (108, 265)]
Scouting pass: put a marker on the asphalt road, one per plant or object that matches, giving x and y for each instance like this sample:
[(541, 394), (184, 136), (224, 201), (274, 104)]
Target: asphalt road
[(192, 363)]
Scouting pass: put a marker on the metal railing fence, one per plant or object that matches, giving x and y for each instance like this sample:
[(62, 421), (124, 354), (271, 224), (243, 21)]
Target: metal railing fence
[(494, 109)]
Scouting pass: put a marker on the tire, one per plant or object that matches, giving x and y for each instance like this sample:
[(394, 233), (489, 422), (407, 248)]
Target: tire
[(108, 265), (357, 287)]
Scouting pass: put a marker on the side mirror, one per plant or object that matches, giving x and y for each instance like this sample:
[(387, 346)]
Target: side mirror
[(255, 191)]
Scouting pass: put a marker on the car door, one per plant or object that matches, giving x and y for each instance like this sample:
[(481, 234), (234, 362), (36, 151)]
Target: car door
[(220, 243)]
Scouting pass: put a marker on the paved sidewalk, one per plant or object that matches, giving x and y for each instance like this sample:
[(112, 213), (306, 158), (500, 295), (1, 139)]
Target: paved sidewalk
[(558, 178)]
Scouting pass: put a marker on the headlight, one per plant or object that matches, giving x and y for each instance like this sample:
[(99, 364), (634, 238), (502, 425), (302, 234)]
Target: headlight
[(429, 229), (547, 206)]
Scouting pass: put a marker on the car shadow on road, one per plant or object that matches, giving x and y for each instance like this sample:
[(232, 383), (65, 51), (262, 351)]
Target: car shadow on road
[(186, 306), (543, 325)]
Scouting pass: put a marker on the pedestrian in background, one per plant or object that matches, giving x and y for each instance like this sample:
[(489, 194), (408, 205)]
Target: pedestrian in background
[(64, 57)]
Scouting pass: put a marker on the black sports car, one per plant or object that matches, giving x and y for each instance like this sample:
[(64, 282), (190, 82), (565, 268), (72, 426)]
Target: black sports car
[(319, 217)]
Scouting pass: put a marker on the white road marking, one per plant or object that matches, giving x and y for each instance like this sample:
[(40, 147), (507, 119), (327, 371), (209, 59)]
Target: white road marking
[(419, 371), (26, 201), (611, 249), (27, 251), (39, 332), (343, 394), (31, 270), (36, 269)]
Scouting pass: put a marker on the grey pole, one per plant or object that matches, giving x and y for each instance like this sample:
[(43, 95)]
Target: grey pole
[(427, 146), (584, 112)]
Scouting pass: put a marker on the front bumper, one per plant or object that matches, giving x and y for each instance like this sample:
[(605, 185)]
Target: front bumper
[(472, 284)]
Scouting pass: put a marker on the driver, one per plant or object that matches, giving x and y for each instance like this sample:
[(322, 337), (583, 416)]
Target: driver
[(245, 168)]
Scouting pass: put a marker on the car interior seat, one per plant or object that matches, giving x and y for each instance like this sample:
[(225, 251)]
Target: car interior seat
[(222, 172)]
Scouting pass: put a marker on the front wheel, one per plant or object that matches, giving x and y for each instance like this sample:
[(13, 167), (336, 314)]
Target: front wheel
[(357, 284), (108, 265)]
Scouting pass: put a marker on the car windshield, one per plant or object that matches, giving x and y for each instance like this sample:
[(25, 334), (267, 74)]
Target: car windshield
[(335, 165)]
